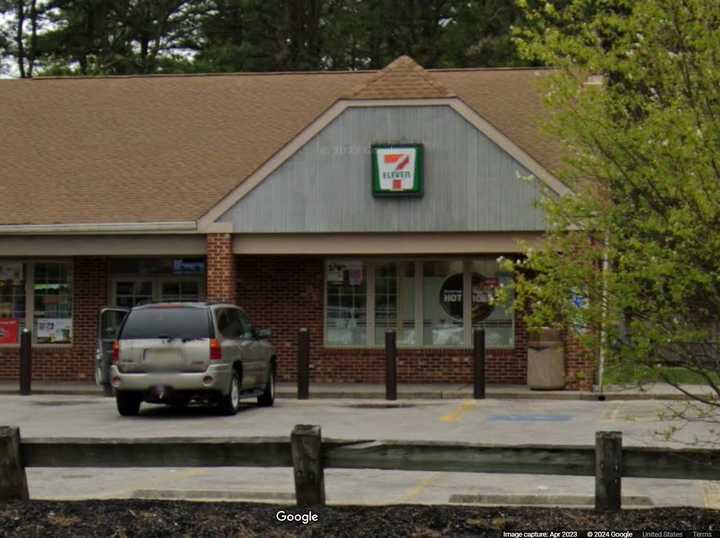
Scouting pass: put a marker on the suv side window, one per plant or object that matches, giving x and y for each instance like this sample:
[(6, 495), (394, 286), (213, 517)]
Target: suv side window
[(247, 329), (235, 328), (224, 322)]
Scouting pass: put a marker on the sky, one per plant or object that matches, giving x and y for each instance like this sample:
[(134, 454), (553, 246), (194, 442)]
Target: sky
[(7, 70)]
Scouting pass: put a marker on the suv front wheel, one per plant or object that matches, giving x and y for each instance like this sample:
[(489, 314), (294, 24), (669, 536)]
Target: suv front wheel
[(230, 402), (267, 398)]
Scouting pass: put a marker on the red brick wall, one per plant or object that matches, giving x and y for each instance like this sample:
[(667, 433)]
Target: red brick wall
[(286, 293), (579, 365), (220, 268), (77, 361)]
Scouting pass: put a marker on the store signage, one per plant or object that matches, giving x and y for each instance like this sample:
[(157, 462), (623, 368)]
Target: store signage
[(397, 169), (482, 294), (188, 267), (9, 331)]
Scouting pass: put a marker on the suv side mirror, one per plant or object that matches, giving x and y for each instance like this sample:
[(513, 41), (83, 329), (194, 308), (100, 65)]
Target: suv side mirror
[(264, 334)]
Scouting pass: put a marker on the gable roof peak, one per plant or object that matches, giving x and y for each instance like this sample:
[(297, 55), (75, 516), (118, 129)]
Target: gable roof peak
[(403, 78)]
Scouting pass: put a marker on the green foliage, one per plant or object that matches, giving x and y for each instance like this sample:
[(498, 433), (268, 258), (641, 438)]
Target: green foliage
[(93, 37), (643, 160)]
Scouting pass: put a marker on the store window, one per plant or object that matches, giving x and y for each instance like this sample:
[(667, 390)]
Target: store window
[(395, 302), (52, 312), (37, 295), (346, 305), (428, 303), (487, 313), (443, 290), (12, 301)]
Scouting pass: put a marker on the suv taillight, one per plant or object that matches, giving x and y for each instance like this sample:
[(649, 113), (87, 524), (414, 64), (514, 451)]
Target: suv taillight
[(215, 350), (115, 351)]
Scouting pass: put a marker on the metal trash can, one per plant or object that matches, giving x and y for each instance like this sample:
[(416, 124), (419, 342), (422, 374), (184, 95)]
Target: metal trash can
[(546, 360)]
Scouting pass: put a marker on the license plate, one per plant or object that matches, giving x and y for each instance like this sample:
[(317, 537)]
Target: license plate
[(161, 355)]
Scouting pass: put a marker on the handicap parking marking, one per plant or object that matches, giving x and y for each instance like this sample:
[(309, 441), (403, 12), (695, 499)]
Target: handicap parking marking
[(530, 418)]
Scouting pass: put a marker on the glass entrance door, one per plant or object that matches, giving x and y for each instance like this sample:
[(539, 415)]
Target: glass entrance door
[(179, 289), (134, 291)]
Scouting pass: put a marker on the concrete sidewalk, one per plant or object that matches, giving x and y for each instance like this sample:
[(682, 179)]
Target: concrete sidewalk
[(417, 391)]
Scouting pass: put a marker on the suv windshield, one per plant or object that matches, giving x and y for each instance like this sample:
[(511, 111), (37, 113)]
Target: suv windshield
[(166, 322)]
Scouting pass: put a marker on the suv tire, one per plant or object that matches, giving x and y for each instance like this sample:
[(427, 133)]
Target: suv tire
[(230, 402), (267, 398), (128, 403)]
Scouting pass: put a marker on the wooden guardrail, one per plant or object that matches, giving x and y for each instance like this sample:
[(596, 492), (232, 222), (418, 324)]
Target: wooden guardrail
[(309, 454)]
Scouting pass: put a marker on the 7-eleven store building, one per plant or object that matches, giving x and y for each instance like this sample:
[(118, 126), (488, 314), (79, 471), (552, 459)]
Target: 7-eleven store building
[(345, 202)]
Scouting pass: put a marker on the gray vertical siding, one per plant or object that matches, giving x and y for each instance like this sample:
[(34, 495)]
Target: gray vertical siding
[(471, 184)]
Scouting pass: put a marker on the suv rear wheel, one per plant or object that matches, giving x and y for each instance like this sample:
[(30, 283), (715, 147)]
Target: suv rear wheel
[(230, 402), (128, 403)]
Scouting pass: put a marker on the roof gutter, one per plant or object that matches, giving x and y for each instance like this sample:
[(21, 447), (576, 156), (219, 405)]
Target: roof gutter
[(100, 228)]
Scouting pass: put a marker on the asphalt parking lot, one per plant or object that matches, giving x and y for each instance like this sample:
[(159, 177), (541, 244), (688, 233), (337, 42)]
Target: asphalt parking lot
[(486, 421)]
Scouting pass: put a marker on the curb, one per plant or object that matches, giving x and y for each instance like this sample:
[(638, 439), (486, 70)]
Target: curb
[(430, 395)]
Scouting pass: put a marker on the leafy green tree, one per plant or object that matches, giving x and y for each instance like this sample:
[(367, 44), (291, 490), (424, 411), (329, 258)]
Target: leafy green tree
[(437, 33), (21, 21), (261, 35), (89, 37), (117, 36), (631, 261)]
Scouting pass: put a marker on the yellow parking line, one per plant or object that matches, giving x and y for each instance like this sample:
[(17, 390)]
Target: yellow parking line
[(712, 495), (457, 413), (171, 477), (611, 414), (414, 492)]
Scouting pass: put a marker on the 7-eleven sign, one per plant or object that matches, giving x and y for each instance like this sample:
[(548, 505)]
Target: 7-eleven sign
[(397, 169)]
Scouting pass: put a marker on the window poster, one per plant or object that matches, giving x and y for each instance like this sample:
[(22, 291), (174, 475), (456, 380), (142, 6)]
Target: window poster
[(350, 272), (9, 329), (11, 272), (54, 329)]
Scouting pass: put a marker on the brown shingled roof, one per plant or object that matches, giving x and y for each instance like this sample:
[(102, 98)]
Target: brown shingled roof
[(168, 148), (402, 79)]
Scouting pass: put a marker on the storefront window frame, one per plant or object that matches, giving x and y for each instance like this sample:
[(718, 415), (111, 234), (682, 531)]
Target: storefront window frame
[(29, 273), (371, 262), (156, 279)]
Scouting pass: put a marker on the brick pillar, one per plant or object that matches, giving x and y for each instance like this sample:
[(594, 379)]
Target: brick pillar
[(90, 294), (579, 365), (221, 278)]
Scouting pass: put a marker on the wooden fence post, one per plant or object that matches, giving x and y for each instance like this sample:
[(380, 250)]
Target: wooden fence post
[(25, 362), (608, 471), (479, 364), (303, 365), (13, 481), (306, 445), (390, 365)]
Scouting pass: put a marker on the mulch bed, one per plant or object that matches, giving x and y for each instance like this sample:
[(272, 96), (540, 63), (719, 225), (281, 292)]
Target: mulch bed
[(135, 518)]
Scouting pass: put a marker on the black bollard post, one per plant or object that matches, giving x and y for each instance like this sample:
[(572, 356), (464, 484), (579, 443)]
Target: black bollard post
[(303, 365), (25, 362), (479, 364), (390, 365)]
